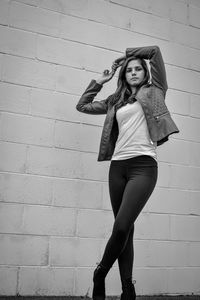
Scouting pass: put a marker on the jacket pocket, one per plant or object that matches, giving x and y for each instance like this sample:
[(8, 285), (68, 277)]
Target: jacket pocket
[(157, 117)]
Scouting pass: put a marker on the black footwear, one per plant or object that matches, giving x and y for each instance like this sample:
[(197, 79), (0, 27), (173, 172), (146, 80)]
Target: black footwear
[(99, 282), (128, 289)]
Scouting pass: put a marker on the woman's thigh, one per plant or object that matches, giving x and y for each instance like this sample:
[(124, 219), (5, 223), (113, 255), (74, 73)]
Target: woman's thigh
[(117, 184), (137, 191)]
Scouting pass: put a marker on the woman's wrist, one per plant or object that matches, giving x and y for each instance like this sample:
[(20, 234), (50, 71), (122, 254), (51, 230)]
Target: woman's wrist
[(121, 59), (100, 81)]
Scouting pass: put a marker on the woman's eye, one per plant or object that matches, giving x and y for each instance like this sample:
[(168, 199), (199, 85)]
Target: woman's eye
[(137, 69)]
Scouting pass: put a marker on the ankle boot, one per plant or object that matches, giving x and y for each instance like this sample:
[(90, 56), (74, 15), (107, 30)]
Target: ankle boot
[(128, 289), (99, 275)]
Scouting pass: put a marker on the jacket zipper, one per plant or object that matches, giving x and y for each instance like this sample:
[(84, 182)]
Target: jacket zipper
[(157, 117)]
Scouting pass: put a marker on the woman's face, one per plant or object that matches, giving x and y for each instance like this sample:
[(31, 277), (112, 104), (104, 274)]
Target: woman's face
[(134, 73)]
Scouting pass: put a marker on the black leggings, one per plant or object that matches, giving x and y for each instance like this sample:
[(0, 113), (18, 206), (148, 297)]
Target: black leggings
[(131, 182)]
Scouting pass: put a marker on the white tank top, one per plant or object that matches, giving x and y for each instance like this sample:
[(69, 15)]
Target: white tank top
[(133, 139)]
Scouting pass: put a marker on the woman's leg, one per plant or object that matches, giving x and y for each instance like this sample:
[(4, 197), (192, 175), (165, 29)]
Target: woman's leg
[(126, 257), (140, 185), (117, 184)]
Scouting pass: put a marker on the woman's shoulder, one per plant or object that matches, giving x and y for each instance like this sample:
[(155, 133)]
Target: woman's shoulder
[(151, 90), (150, 86), (111, 99)]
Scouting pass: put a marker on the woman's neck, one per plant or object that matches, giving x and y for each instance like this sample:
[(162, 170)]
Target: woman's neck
[(133, 89)]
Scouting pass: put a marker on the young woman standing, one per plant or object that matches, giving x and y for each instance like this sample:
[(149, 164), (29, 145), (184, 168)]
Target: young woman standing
[(137, 121)]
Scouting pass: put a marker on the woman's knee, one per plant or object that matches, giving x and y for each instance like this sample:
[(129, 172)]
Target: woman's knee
[(121, 230)]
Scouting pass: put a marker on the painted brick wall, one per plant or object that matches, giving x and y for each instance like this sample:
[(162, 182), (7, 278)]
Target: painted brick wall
[(55, 216)]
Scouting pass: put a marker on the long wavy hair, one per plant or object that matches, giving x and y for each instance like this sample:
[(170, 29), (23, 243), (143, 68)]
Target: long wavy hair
[(123, 93)]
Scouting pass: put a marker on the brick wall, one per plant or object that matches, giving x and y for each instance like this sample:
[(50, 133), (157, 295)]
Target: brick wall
[(55, 216)]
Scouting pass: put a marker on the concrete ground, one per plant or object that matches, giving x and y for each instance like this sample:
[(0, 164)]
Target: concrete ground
[(162, 297)]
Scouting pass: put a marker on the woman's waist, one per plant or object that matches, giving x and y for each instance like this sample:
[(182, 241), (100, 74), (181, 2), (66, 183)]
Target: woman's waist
[(136, 160)]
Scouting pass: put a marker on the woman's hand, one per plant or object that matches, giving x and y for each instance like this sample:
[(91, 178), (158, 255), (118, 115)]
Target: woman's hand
[(121, 60), (107, 75)]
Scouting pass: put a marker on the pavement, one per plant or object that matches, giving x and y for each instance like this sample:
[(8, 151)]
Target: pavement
[(156, 297)]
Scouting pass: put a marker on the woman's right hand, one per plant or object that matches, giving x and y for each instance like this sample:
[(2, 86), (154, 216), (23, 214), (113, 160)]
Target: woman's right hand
[(121, 60), (107, 75)]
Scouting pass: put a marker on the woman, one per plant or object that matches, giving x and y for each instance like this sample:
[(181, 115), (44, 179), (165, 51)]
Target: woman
[(137, 121)]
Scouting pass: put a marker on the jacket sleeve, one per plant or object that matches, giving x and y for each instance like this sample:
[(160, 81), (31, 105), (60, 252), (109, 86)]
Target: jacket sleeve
[(86, 103), (158, 72)]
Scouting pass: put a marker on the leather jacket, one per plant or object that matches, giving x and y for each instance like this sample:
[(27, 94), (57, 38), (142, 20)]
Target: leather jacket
[(150, 96)]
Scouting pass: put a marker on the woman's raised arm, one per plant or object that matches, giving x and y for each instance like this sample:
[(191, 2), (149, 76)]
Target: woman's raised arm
[(86, 103), (158, 71)]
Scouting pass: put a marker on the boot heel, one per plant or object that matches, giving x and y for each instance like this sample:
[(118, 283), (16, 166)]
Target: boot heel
[(99, 275), (128, 289)]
